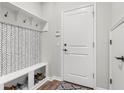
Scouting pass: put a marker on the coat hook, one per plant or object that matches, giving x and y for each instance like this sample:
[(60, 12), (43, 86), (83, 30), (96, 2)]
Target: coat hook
[(6, 14), (24, 21), (36, 25)]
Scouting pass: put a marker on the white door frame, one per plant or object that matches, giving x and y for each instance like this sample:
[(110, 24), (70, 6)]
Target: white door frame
[(94, 37), (110, 74)]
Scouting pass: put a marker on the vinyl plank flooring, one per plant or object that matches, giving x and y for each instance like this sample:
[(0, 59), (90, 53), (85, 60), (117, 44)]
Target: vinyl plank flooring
[(55, 84), (50, 85), (44, 86)]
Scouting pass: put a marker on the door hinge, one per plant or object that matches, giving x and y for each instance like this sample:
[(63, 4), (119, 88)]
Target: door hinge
[(110, 80), (110, 42), (93, 75), (93, 44)]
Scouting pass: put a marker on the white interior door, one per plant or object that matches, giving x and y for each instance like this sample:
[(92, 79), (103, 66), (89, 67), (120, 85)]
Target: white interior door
[(78, 46), (117, 58)]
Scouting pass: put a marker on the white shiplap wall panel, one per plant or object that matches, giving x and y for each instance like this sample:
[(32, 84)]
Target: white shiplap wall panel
[(13, 49), (19, 48), (23, 49), (4, 49), (8, 48), (16, 48), (26, 47), (0, 49)]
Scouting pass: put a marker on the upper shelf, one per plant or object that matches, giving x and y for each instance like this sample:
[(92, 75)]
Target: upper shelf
[(21, 17), (13, 5)]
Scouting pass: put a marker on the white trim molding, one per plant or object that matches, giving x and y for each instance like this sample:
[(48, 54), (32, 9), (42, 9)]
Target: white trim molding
[(55, 78), (99, 88)]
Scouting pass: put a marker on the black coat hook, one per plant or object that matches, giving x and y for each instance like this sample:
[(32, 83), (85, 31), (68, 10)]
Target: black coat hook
[(6, 14), (24, 21), (36, 25)]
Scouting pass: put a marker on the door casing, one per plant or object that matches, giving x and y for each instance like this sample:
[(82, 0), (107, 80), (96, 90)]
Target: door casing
[(94, 39), (110, 75)]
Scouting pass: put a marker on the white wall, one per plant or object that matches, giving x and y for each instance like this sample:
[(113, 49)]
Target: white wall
[(102, 48), (117, 11), (32, 7), (51, 52), (49, 48)]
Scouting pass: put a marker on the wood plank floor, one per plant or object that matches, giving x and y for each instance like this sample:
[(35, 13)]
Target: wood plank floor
[(50, 85)]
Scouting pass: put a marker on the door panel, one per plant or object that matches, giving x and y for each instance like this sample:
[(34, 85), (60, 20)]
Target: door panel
[(78, 50), (76, 25), (78, 37), (76, 66), (117, 50)]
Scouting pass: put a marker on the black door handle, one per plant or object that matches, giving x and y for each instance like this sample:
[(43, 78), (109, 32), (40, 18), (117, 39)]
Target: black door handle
[(65, 50), (120, 58), (65, 44)]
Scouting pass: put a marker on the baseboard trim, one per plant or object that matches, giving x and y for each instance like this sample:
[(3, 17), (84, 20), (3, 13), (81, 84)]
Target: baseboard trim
[(55, 78), (99, 88)]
